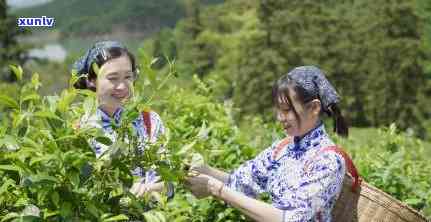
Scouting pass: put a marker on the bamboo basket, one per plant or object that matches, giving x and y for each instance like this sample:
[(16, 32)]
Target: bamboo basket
[(362, 202)]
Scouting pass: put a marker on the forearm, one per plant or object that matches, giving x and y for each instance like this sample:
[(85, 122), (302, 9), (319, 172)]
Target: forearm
[(156, 187), (214, 172), (219, 174), (255, 209)]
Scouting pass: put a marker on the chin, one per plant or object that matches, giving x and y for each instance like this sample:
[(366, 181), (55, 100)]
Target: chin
[(291, 133)]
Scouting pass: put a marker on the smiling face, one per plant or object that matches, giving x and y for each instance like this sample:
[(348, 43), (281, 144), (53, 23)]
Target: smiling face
[(114, 83), (295, 117)]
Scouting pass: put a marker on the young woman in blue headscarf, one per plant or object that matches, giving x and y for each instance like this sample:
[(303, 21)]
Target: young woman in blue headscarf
[(302, 180), (109, 69)]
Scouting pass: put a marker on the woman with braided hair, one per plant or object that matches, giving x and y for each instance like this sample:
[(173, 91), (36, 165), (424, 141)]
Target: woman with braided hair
[(302, 180)]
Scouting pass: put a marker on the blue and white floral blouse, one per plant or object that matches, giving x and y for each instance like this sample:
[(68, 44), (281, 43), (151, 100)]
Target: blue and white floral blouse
[(102, 120), (301, 181)]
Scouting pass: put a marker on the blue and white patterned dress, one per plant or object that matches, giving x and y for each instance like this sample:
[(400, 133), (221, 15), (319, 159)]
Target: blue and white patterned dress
[(301, 181), (102, 120)]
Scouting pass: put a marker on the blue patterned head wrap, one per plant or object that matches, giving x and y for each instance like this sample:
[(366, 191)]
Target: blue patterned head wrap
[(314, 82), (83, 65)]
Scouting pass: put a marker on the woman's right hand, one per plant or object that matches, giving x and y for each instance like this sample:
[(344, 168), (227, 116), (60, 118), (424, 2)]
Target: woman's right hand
[(201, 169), (198, 185)]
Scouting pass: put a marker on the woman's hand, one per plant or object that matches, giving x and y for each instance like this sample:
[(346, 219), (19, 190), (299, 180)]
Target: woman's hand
[(201, 169), (203, 185), (139, 189), (198, 185)]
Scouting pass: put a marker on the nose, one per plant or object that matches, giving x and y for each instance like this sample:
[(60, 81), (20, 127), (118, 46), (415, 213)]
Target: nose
[(122, 86), (281, 117)]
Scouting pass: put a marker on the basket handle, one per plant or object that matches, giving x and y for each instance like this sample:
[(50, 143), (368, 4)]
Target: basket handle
[(349, 163)]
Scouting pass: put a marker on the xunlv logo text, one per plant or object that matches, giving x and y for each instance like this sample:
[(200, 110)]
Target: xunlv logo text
[(42, 21)]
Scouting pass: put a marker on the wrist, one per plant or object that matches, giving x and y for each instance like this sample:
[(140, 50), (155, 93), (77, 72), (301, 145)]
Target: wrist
[(205, 169), (219, 191)]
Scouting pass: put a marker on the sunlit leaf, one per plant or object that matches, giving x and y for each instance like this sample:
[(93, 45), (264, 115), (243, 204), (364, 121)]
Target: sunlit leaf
[(17, 70)]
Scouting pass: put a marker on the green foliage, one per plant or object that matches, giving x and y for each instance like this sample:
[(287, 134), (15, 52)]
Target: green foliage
[(92, 17), (50, 173), (394, 162), (376, 56), (10, 51)]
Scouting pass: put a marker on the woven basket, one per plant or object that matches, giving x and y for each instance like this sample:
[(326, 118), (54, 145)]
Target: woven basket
[(362, 202)]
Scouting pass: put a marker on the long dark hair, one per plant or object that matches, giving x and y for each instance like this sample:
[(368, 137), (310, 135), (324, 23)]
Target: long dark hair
[(108, 54), (281, 89)]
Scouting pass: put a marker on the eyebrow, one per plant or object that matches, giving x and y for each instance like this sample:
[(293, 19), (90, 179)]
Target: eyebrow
[(117, 73)]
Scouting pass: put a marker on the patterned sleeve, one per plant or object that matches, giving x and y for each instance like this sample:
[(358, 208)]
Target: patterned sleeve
[(150, 176), (251, 177), (158, 127), (316, 190)]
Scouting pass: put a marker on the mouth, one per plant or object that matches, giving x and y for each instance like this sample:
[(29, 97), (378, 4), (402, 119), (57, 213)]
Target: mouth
[(120, 96), (287, 126)]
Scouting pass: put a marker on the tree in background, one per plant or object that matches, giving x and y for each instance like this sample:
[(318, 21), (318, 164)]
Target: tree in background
[(194, 50), (11, 52), (374, 54)]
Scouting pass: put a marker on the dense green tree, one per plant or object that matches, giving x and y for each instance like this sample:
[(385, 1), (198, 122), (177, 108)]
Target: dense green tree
[(10, 51)]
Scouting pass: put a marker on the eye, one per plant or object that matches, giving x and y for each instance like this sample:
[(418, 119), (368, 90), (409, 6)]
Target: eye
[(285, 108), (112, 78), (128, 77)]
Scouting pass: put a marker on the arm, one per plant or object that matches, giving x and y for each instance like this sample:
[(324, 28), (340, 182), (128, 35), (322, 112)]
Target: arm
[(204, 185), (150, 181), (314, 191), (255, 209), (250, 178), (214, 172), (243, 179)]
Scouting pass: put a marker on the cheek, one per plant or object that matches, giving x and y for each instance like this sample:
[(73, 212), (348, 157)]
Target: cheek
[(291, 118), (104, 86)]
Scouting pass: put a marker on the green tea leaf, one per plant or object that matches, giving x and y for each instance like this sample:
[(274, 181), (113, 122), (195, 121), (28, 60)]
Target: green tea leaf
[(8, 102), (40, 178), (31, 97), (151, 217), (17, 70), (10, 142), (46, 114), (10, 216), (104, 140), (5, 186), (55, 198), (66, 209), (67, 97), (186, 149), (92, 209), (35, 81), (9, 168), (117, 218), (413, 201)]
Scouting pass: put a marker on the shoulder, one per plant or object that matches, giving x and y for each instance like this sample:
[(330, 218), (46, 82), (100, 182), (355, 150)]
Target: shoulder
[(328, 160), (88, 120), (154, 120), (153, 116), (268, 153)]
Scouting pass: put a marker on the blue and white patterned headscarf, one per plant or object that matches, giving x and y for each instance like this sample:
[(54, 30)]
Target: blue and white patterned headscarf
[(314, 82), (83, 65)]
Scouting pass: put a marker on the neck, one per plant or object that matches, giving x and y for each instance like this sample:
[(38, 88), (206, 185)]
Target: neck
[(316, 124), (110, 110)]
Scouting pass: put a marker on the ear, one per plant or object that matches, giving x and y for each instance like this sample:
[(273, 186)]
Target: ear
[(91, 83), (316, 107)]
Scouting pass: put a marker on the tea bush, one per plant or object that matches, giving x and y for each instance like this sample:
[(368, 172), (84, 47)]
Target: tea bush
[(48, 171)]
